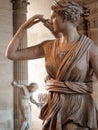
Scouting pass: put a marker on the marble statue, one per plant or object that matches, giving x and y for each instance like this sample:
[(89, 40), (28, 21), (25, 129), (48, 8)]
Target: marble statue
[(71, 60), (25, 102)]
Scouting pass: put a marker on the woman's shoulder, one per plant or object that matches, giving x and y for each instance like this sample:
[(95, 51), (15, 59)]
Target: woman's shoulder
[(47, 45), (93, 50), (47, 42), (92, 47), (90, 42)]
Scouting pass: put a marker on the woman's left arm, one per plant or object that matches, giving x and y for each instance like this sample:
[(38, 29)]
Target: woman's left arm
[(94, 58)]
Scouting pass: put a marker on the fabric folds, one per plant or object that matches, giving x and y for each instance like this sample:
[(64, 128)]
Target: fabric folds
[(69, 87)]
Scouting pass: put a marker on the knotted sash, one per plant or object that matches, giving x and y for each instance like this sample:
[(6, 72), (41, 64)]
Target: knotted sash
[(68, 87)]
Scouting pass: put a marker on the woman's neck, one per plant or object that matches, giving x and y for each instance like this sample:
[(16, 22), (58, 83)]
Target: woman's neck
[(71, 35)]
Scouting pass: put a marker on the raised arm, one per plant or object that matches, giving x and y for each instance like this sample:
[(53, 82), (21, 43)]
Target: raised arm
[(13, 52), (23, 86), (94, 58)]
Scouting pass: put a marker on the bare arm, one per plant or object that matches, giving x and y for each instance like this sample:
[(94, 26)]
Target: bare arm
[(94, 59), (32, 100), (35, 102), (23, 86), (13, 52)]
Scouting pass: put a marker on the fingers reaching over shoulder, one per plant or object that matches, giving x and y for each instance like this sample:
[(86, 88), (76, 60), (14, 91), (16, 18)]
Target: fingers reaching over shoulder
[(33, 20), (47, 23)]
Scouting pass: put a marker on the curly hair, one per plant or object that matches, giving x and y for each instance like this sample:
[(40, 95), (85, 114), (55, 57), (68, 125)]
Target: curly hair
[(68, 10)]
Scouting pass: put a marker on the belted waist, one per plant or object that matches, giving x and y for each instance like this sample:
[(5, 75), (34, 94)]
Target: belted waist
[(68, 87)]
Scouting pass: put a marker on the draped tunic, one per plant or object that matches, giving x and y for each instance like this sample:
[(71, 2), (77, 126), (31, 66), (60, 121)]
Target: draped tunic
[(70, 86)]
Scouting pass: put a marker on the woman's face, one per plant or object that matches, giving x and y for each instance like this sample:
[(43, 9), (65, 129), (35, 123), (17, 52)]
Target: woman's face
[(57, 22)]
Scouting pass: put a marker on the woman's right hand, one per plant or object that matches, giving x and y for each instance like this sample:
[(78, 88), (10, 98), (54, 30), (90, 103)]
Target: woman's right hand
[(33, 20), (49, 25)]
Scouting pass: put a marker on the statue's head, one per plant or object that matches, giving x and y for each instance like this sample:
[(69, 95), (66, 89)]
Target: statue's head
[(69, 10), (32, 87)]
